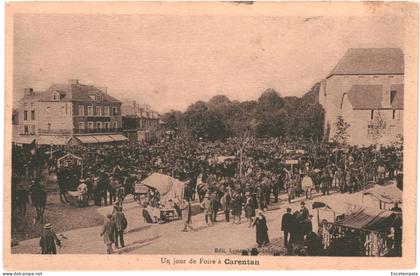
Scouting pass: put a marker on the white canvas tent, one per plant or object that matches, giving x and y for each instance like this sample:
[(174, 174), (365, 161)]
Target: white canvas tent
[(168, 187)]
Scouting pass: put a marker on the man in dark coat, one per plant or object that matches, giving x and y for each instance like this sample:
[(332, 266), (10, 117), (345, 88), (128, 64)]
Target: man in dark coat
[(102, 187), (22, 197), (313, 244), (120, 224), (286, 224), (62, 179), (214, 206), (304, 212), (49, 240)]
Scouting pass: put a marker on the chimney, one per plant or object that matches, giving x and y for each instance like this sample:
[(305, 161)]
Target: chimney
[(74, 81), (28, 91)]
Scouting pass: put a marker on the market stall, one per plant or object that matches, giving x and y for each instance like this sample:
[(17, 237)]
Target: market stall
[(364, 232), (385, 195), (166, 194)]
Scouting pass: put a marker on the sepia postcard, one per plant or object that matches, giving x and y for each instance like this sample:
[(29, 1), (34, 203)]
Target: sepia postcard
[(210, 135)]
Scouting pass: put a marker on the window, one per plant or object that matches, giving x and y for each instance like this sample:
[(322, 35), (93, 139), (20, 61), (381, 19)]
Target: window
[(47, 109), (371, 114), (106, 125), (391, 129), (81, 125), (81, 110), (90, 110), (25, 115), (99, 97), (33, 115), (98, 111), (98, 125), (393, 114), (372, 129), (49, 126), (114, 111), (32, 131), (106, 110), (115, 125), (90, 125), (26, 130), (393, 94), (56, 96)]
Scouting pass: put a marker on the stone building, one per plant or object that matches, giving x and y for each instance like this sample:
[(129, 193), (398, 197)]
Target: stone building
[(73, 110), (140, 122), (366, 88)]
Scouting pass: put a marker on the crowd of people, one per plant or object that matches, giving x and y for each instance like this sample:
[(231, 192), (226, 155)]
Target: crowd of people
[(245, 181)]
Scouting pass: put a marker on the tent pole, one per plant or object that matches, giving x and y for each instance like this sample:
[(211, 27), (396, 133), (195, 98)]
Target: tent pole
[(317, 213)]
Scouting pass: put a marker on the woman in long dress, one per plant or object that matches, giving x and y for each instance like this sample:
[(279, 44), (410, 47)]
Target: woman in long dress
[(108, 234), (260, 224)]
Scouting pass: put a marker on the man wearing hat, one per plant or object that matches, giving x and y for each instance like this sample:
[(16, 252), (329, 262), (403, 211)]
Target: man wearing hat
[(304, 212), (287, 226), (120, 224), (206, 205), (225, 201), (49, 240), (307, 185)]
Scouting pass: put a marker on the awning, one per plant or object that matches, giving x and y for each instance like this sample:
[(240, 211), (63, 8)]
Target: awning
[(23, 139), (369, 219), (103, 138), (387, 194), (118, 137), (52, 140), (87, 139), (168, 187)]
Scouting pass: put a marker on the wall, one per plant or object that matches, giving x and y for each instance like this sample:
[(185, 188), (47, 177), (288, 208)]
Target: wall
[(58, 114), (27, 103), (361, 119), (333, 88)]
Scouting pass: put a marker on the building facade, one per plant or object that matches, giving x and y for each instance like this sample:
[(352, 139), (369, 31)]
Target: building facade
[(140, 122), (366, 88), (71, 110)]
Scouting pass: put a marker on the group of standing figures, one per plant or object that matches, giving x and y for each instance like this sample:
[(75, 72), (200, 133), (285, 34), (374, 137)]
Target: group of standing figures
[(102, 187)]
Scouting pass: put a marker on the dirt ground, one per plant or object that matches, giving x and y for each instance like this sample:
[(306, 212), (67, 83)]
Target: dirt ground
[(63, 216), (79, 229)]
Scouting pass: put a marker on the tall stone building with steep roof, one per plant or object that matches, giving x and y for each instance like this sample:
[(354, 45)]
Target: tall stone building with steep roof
[(366, 88)]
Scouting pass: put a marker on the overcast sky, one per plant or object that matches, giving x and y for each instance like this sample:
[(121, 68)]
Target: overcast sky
[(172, 61)]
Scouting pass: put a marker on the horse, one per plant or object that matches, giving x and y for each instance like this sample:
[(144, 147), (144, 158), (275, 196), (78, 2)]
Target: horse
[(39, 200), (202, 189)]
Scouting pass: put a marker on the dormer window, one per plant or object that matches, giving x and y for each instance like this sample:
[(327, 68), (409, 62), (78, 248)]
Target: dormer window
[(57, 95), (96, 97)]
